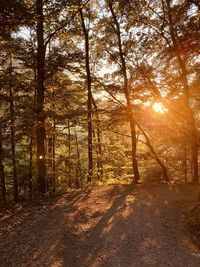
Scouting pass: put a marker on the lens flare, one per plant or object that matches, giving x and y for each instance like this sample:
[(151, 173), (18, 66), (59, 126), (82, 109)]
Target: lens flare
[(158, 107)]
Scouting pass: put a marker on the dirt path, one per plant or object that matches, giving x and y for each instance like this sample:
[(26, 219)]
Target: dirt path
[(113, 226)]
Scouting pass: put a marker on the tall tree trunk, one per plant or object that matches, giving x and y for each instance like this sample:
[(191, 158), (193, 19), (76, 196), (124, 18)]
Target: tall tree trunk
[(185, 164), (2, 174), (12, 133), (12, 136), (99, 145), (154, 154), (12, 139), (31, 140), (49, 161), (100, 152), (78, 165), (31, 168), (89, 100), (69, 154), (97, 153), (54, 156), (40, 88), (188, 109), (127, 95)]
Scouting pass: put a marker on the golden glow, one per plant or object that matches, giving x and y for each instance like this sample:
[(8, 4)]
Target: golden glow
[(147, 104), (158, 107), (40, 157)]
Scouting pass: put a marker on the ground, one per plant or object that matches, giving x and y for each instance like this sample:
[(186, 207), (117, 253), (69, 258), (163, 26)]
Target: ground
[(109, 226)]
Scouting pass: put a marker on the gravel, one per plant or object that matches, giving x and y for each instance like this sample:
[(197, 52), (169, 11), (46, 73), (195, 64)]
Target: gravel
[(108, 226)]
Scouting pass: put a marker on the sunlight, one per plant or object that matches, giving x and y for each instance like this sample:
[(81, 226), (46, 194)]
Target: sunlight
[(158, 107)]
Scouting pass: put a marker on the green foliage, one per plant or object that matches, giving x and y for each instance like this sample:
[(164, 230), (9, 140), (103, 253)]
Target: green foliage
[(153, 74)]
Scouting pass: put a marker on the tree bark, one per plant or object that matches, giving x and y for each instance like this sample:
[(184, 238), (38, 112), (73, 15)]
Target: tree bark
[(99, 145), (185, 164), (127, 96), (89, 100), (54, 157), (69, 154), (78, 165), (12, 132), (40, 88), (49, 162), (31, 168), (12, 139), (184, 78), (154, 154), (2, 174)]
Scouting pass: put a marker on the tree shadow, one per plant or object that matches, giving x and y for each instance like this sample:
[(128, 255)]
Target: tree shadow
[(123, 235), (30, 236), (121, 225)]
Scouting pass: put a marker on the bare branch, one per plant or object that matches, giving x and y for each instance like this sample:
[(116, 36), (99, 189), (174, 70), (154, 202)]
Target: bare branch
[(65, 24)]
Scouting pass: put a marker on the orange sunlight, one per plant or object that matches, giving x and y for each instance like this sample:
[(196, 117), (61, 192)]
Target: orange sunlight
[(158, 107)]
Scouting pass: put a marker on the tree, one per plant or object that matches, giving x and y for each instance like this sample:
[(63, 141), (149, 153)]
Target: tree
[(40, 89), (126, 93), (2, 173), (89, 97)]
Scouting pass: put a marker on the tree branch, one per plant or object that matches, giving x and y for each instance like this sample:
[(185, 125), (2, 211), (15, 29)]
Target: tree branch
[(65, 24)]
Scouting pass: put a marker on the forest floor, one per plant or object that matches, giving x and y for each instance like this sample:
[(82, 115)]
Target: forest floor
[(110, 226)]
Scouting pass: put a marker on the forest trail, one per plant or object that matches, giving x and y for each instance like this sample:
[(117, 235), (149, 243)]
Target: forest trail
[(110, 226)]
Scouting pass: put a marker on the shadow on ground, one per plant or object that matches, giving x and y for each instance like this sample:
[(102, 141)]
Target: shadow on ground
[(107, 226), (129, 226)]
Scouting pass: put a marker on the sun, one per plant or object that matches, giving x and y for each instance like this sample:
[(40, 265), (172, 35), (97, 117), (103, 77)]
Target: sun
[(158, 107)]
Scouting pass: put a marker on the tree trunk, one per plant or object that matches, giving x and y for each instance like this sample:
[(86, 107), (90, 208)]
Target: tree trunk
[(89, 100), (100, 152), (12, 134), (185, 164), (49, 161), (78, 165), (154, 154), (134, 148), (184, 78), (40, 132), (99, 160), (31, 168), (97, 153), (54, 157), (69, 154), (12, 139), (127, 96), (2, 174)]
